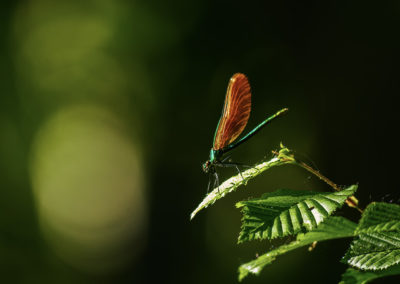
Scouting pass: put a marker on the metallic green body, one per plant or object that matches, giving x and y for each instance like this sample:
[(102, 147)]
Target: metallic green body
[(254, 131), (212, 155)]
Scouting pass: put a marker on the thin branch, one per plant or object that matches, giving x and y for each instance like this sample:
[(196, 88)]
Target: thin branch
[(351, 201), (234, 182)]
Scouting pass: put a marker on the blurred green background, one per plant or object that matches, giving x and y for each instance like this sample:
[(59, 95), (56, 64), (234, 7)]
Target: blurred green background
[(108, 109)]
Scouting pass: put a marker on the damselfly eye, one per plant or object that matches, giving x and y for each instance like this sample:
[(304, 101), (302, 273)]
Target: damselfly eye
[(206, 166)]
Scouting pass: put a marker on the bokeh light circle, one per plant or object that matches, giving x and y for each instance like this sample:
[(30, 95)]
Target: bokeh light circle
[(88, 185)]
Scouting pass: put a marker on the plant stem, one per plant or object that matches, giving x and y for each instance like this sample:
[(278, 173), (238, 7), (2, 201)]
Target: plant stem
[(351, 201), (319, 175)]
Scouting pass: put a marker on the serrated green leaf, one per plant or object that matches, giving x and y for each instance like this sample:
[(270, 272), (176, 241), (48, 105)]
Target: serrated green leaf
[(353, 276), (378, 243), (288, 212), (380, 216), (332, 228), (374, 251)]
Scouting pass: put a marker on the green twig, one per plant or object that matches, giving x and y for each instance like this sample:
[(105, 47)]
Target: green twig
[(234, 182), (351, 201)]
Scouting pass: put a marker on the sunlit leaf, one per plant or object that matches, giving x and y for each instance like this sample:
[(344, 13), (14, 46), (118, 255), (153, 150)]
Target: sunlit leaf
[(287, 212)]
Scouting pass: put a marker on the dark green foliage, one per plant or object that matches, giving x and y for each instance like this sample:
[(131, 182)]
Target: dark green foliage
[(378, 244), (332, 228), (353, 276), (379, 216)]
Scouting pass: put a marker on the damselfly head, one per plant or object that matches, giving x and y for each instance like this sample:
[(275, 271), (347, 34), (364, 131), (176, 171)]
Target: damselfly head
[(206, 166)]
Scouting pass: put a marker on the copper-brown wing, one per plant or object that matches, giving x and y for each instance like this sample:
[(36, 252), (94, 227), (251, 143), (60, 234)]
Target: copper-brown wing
[(236, 111)]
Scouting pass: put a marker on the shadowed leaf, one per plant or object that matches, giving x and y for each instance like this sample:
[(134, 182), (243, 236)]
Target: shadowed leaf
[(378, 243), (353, 276), (332, 228)]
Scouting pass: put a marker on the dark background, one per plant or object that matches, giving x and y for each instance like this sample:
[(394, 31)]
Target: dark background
[(161, 70)]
